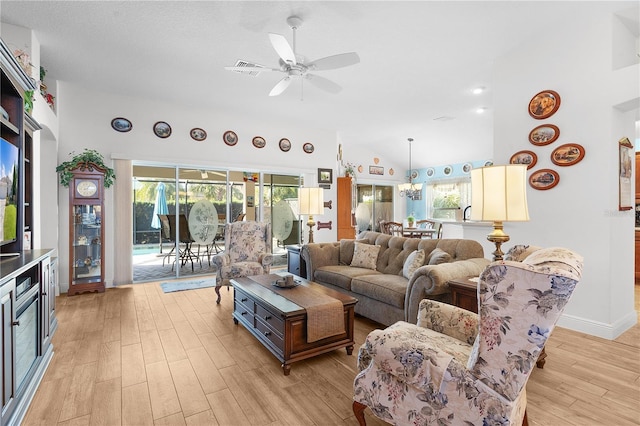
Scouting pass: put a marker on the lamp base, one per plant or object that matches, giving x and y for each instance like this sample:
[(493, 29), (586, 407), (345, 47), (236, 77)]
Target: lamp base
[(311, 223), (498, 237)]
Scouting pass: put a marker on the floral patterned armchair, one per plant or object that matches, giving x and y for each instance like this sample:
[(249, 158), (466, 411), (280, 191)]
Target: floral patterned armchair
[(458, 368), (247, 251)]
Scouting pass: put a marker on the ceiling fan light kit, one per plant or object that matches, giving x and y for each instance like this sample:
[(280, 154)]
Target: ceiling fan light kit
[(294, 66)]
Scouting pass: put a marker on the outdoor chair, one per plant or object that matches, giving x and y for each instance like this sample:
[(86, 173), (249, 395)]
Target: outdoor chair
[(460, 368)]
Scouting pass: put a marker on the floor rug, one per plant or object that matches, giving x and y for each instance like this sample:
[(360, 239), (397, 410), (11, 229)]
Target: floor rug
[(169, 287)]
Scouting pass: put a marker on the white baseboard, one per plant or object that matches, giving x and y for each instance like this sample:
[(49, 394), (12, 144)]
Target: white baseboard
[(597, 328)]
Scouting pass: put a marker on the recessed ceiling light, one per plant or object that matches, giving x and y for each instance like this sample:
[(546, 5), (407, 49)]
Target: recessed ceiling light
[(478, 90)]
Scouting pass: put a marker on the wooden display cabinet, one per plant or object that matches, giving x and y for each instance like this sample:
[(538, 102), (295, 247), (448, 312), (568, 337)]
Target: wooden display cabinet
[(86, 229), (345, 196)]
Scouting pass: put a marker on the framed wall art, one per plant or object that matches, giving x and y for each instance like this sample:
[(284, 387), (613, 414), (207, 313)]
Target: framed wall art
[(376, 170), (259, 142), (325, 176), (162, 129), (284, 144), (524, 157), (120, 124), (230, 138), (544, 104), (544, 134), (198, 134), (544, 179), (625, 164), (567, 154)]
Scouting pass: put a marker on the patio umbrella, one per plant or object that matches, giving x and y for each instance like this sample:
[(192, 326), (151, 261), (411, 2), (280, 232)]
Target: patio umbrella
[(160, 206)]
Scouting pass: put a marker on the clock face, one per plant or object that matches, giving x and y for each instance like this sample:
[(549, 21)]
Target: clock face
[(86, 188)]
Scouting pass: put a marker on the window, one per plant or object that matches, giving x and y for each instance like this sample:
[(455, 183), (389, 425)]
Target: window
[(446, 198)]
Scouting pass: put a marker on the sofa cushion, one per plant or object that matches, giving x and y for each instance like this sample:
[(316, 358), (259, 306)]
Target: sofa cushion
[(340, 275), (365, 256), (438, 256), (390, 289), (346, 250), (413, 262)]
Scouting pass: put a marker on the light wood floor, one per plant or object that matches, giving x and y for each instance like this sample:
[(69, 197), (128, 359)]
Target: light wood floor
[(134, 355)]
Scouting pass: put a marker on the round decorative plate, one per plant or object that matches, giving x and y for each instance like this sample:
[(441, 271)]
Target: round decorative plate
[(544, 134), (284, 144), (198, 134), (120, 124), (524, 157), (391, 172), (360, 168), (230, 138), (162, 129), (544, 104), (431, 171), (259, 142), (447, 170), (544, 179), (414, 174), (466, 168), (308, 148), (488, 163), (567, 154)]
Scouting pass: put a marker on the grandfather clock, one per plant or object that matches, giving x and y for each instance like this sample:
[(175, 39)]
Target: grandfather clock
[(86, 229)]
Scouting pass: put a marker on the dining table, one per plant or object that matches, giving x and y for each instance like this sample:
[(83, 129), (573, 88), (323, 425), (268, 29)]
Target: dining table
[(418, 232)]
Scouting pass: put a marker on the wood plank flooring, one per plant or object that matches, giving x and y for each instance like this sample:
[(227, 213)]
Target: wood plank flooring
[(136, 356)]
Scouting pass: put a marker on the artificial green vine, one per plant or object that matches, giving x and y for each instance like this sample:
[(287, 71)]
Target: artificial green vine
[(83, 160)]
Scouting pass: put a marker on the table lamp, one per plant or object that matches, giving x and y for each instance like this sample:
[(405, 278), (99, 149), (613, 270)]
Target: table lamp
[(499, 194), (311, 201)]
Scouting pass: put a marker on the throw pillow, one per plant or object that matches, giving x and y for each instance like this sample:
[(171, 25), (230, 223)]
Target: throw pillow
[(346, 250), (413, 262), (365, 256), (439, 256)]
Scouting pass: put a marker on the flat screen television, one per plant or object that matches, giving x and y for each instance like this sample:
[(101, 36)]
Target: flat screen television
[(9, 185)]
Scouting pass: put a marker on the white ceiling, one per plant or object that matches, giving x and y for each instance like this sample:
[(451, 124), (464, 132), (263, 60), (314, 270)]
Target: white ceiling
[(419, 61)]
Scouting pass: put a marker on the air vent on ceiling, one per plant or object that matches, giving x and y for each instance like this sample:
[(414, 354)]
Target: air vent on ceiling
[(242, 63)]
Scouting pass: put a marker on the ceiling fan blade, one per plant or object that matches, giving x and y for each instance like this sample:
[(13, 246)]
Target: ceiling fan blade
[(323, 83), (280, 86), (283, 48), (250, 69), (334, 62)]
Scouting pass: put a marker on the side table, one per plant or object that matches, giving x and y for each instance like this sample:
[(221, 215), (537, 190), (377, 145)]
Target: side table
[(296, 265), (464, 294)]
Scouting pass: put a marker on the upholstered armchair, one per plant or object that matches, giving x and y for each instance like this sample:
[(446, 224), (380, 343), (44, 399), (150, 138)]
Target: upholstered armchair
[(458, 368), (247, 251)]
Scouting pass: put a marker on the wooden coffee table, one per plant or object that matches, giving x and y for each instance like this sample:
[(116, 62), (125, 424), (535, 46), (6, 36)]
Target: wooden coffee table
[(281, 325)]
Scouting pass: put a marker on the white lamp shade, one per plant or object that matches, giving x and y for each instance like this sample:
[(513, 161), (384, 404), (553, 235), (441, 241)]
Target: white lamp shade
[(499, 193), (311, 201)]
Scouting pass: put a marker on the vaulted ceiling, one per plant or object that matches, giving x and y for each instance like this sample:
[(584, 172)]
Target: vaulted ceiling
[(420, 61)]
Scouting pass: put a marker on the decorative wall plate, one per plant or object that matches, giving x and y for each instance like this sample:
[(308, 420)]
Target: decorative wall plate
[(162, 129), (567, 154), (230, 138), (524, 157), (360, 168), (447, 170), (284, 144), (414, 174), (198, 134), (391, 172), (259, 142), (544, 104), (466, 168), (120, 124), (544, 179), (308, 148), (488, 163), (431, 171), (544, 134)]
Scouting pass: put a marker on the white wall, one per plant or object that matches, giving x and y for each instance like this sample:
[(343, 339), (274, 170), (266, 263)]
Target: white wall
[(581, 213), (85, 122)]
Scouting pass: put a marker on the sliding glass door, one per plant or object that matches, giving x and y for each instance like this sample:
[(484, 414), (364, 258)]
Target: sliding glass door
[(374, 203)]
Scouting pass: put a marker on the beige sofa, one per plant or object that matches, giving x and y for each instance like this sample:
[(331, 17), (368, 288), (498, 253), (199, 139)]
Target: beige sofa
[(384, 294)]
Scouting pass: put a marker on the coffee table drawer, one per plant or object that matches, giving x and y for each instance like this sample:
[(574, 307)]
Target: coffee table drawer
[(270, 335), (274, 321)]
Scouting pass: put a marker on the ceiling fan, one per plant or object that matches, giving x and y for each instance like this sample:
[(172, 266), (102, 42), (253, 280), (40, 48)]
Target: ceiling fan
[(294, 66)]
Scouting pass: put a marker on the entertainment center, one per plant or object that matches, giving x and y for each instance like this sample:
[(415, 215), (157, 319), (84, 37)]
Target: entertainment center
[(27, 276)]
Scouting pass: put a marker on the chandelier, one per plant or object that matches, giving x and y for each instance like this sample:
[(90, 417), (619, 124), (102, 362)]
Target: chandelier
[(412, 191)]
